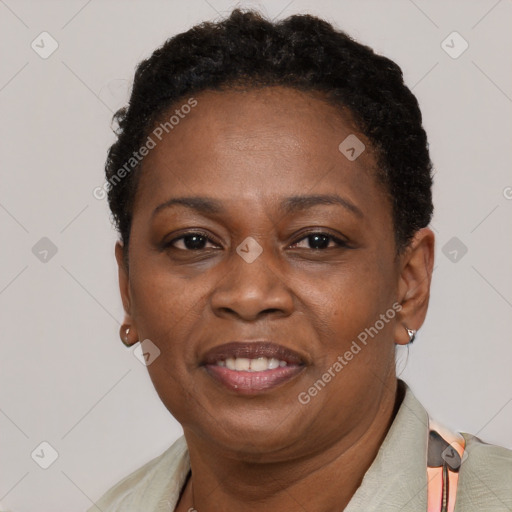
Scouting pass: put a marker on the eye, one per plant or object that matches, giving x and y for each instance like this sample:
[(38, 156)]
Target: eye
[(193, 241), (319, 240)]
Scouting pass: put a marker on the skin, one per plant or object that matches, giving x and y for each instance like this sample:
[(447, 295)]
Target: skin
[(251, 150)]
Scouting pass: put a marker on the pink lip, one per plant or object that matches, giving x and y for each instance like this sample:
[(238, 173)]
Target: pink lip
[(245, 382), (249, 383)]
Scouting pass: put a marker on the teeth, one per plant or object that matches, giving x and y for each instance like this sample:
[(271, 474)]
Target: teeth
[(259, 365), (244, 364), (273, 364)]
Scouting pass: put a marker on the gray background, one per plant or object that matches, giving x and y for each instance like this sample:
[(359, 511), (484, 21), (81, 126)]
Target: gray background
[(66, 378)]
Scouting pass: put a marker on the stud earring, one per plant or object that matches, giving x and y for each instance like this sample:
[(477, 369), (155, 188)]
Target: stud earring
[(124, 333), (411, 333)]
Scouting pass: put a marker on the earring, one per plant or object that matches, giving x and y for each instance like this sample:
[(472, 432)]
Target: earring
[(124, 333), (411, 333)]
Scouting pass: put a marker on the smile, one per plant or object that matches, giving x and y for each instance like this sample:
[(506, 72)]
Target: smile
[(252, 367), (244, 364)]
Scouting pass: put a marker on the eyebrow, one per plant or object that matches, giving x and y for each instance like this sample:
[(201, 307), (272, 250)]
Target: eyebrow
[(295, 203), (288, 206)]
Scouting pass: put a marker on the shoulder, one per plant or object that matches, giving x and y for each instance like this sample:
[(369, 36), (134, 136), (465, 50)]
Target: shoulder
[(159, 478), (485, 478)]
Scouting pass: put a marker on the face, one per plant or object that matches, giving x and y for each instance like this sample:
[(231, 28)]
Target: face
[(292, 244)]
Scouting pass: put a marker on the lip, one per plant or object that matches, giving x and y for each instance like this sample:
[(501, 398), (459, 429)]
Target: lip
[(244, 382), (252, 350)]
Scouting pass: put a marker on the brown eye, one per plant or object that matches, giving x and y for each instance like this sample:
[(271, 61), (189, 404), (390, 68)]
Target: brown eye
[(319, 241), (190, 242)]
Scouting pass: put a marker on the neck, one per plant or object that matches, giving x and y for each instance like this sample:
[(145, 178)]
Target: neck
[(220, 483)]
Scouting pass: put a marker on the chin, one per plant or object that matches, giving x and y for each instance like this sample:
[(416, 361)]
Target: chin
[(251, 436)]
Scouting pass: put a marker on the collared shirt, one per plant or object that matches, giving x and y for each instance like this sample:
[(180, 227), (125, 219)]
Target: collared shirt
[(395, 482)]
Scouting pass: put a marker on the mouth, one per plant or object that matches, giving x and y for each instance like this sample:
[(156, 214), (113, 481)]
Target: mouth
[(252, 367)]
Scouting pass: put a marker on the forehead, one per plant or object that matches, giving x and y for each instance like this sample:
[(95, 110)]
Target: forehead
[(260, 143)]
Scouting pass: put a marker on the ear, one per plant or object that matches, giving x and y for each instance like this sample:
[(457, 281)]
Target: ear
[(128, 332), (416, 266)]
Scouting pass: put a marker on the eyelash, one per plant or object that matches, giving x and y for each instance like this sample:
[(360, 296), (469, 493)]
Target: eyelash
[(341, 243)]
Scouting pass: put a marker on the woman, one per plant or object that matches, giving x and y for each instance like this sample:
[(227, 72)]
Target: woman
[(271, 184)]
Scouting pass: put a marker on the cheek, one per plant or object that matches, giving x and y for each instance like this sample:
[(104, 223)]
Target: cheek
[(348, 300), (165, 306), (166, 309)]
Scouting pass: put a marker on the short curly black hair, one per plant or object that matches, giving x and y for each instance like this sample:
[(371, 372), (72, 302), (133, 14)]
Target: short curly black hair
[(301, 52)]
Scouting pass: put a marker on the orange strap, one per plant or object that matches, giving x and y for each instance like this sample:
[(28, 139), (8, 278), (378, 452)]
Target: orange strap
[(445, 456)]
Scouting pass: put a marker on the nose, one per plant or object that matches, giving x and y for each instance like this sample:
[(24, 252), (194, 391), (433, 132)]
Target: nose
[(250, 291)]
